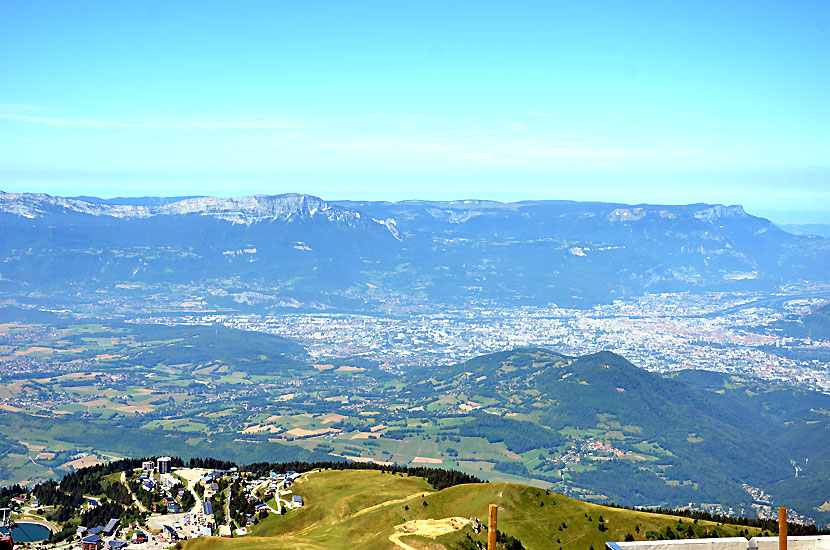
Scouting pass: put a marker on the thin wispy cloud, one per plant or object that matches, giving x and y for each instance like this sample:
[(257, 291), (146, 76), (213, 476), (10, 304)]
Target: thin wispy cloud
[(17, 114), (467, 147), (369, 136)]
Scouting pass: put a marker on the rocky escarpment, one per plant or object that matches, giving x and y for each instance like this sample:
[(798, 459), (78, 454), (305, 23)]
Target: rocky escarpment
[(236, 210)]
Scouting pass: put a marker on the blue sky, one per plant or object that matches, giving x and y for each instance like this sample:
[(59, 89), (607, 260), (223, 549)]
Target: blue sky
[(671, 102)]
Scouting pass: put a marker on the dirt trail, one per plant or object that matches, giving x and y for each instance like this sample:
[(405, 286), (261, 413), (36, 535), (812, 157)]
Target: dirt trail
[(387, 503)]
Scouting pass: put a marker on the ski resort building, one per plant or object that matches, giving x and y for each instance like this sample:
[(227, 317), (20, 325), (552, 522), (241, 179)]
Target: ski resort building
[(164, 464)]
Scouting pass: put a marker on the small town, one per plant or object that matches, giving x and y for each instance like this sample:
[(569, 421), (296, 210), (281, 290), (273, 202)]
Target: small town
[(174, 504)]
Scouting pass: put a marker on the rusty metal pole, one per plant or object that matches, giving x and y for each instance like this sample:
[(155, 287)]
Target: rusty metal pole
[(492, 528), (782, 528)]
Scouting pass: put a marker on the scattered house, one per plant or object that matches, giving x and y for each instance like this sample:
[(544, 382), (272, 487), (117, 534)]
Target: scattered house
[(207, 508), (225, 531), (20, 500), (95, 530), (117, 544), (81, 531), (297, 501), (139, 537), (92, 503), (174, 509), (92, 542), (147, 465), (35, 502), (111, 527)]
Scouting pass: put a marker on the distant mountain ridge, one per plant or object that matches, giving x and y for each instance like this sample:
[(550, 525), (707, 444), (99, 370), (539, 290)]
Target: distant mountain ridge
[(237, 210), (338, 252), (135, 201)]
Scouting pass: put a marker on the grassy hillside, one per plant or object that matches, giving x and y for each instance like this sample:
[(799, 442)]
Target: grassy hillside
[(360, 509)]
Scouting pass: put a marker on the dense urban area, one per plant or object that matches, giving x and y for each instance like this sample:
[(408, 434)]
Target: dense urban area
[(724, 332)]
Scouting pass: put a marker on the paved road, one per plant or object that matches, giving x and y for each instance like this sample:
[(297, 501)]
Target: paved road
[(228, 505)]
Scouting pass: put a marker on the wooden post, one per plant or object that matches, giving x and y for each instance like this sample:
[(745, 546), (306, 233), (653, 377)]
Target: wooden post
[(782, 528), (492, 528)]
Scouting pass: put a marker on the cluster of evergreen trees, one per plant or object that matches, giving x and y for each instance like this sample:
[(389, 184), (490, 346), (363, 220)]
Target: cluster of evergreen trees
[(240, 506), (101, 514), (210, 463), (49, 493)]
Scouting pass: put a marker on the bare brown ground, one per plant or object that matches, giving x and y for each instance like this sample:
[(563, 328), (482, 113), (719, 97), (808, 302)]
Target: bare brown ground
[(84, 462), (426, 460), (334, 418), (33, 349), (431, 528)]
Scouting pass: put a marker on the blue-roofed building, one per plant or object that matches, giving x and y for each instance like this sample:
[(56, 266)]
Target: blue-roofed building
[(92, 542), (117, 544), (111, 527), (297, 501), (207, 508), (95, 530)]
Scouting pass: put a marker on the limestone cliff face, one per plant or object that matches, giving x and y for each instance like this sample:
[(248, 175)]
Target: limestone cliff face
[(236, 210)]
